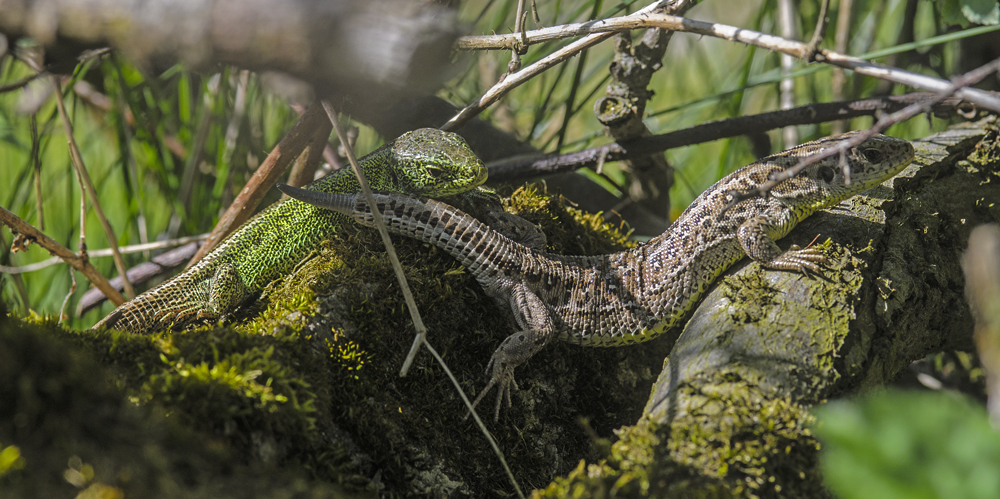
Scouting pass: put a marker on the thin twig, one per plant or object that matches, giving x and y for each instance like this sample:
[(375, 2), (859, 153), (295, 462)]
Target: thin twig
[(520, 48), (818, 33), (837, 78), (69, 294), (531, 166), (125, 250), (78, 262), (788, 27), (304, 168), (553, 59), (643, 19), (21, 83), (475, 415), (81, 171), (884, 122), (411, 304)]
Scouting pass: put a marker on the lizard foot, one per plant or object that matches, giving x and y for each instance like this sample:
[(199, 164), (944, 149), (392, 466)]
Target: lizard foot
[(798, 259), (503, 378)]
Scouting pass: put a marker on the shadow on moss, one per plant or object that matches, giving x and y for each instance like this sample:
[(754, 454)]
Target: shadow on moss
[(76, 425)]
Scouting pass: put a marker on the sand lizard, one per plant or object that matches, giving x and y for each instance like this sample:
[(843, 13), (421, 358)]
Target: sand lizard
[(634, 295), (426, 161)]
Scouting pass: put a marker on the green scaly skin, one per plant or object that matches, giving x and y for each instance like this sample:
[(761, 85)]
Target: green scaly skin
[(427, 162)]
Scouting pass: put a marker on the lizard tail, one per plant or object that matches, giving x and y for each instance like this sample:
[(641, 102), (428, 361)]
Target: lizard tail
[(343, 203)]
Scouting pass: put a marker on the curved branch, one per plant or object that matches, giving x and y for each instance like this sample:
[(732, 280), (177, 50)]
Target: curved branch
[(514, 80), (600, 30), (78, 262), (337, 45)]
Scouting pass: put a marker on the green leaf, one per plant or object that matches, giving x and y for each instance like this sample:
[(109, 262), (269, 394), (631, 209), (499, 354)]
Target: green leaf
[(909, 445), (966, 12), (981, 11)]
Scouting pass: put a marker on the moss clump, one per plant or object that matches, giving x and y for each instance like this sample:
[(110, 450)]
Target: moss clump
[(741, 444), (570, 231), (408, 428), (62, 418)]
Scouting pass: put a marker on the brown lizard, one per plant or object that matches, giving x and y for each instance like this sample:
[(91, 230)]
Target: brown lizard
[(635, 295)]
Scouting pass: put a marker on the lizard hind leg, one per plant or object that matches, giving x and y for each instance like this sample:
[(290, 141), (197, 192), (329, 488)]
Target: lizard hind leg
[(537, 329)]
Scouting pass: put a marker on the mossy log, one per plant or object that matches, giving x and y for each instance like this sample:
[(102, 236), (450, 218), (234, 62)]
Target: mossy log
[(729, 412)]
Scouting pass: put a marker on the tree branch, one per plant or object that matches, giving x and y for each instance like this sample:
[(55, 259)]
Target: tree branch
[(336, 45), (518, 168), (735, 34), (78, 262)]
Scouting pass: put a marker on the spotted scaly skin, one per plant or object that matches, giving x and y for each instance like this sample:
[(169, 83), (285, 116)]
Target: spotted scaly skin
[(427, 162), (635, 295)]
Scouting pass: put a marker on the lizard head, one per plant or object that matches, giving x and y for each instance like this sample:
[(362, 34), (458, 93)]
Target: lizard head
[(823, 184), (430, 162)]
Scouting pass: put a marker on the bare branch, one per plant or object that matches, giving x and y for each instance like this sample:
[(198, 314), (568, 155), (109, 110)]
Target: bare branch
[(80, 263), (125, 250), (797, 49), (884, 122), (81, 171), (514, 80), (532, 166), (340, 45)]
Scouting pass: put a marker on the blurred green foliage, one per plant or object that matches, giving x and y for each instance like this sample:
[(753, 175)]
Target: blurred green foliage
[(910, 445)]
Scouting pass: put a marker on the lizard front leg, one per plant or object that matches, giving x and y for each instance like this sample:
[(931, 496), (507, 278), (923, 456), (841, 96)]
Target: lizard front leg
[(761, 248), (537, 329), (227, 292)]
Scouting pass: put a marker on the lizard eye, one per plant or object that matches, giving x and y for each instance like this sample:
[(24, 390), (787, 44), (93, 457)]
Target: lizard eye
[(827, 174), (873, 155), (435, 172)]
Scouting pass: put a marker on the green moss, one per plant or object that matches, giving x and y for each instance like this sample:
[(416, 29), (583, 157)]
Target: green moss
[(564, 225), (364, 331), (737, 444), (65, 420)]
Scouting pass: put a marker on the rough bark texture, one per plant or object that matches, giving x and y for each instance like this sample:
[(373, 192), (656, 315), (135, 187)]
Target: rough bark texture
[(621, 111)]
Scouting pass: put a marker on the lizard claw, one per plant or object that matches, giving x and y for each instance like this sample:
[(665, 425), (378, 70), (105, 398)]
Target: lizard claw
[(503, 378), (799, 259)]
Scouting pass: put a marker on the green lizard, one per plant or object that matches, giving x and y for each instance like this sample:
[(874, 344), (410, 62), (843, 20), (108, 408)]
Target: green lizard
[(427, 162), (635, 295)]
